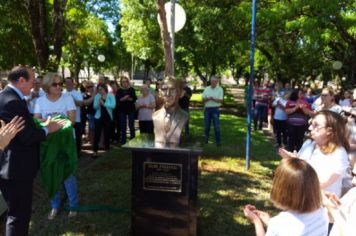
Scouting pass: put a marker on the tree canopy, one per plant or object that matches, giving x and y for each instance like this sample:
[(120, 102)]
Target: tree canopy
[(295, 39)]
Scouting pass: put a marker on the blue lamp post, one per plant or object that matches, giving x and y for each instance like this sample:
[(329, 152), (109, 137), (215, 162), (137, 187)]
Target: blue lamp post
[(250, 85)]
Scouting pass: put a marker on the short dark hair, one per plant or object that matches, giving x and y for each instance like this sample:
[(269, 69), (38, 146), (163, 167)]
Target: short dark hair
[(17, 72), (294, 95), (104, 86)]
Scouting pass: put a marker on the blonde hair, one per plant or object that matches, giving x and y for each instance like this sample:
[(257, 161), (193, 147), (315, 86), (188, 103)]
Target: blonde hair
[(296, 186), (48, 79), (331, 92)]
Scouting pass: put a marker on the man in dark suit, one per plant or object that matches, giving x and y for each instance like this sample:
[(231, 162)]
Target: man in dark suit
[(20, 161)]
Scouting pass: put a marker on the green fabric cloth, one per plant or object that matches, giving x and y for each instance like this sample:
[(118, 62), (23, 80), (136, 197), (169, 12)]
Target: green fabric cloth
[(58, 156)]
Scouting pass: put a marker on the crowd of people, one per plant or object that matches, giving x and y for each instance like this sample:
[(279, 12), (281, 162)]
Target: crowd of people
[(314, 185), (99, 113)]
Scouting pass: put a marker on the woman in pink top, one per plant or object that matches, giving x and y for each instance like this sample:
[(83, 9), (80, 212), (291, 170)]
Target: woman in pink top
[(298, 110)]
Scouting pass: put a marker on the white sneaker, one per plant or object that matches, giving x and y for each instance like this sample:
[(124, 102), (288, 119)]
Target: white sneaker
[(53, 214), (72, 214)]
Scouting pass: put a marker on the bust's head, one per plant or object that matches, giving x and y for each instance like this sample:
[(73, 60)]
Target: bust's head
[(171, 91)]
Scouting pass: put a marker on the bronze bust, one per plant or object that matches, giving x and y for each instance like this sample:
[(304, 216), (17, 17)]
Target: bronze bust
[(170, 119)]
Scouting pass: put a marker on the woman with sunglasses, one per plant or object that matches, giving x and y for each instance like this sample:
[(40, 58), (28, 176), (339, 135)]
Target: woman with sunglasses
[(328, 101), (52, 104), (104, 105), (326, 151), (89, 94)]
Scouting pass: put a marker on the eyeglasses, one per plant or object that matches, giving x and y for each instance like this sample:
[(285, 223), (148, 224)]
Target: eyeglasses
[(54, 84), (349, 114), (316, 127)]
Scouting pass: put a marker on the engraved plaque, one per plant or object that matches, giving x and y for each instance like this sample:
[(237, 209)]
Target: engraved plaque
[(164, 177)]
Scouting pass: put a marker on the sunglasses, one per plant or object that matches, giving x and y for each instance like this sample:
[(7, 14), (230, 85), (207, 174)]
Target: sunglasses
[(90, 86), (54, 84), (349, 114)]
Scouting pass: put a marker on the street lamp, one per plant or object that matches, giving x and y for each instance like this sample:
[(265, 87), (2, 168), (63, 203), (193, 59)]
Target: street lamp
[(101, 58)]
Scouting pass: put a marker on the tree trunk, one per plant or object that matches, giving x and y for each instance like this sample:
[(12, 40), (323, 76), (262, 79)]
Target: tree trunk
[(37, 12), (58, 26), (77, 70), (38, 20), (166, 38), (200, 74), (88, 67), (147, 69)]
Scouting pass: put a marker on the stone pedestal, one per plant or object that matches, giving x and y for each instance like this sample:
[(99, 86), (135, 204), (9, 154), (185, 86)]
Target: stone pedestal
[(164, 188)]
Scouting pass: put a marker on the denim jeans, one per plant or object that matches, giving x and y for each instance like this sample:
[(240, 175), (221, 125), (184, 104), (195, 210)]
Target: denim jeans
[(261, 113), (123, 124), (212, 113), (70, 185)]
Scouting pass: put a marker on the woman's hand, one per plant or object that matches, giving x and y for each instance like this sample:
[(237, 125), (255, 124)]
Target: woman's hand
[(330, 199), (283, 153), (8, 131), (264, 216), (250, 213)]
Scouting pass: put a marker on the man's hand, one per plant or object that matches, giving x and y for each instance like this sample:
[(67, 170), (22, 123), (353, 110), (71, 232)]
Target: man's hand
[(9, 131)]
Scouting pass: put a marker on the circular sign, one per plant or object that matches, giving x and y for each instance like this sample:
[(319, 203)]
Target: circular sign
[(101, 58), (180, 16), (337, 65)]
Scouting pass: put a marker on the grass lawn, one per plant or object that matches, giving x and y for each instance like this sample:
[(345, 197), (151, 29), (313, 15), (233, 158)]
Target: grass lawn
[(224, 187)]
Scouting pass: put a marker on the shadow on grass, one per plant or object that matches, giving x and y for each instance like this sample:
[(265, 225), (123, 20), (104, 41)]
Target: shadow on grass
[(221, 198), (106, 182)]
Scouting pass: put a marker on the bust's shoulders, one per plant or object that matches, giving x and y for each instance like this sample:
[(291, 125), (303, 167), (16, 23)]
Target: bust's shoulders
[(160, 112)]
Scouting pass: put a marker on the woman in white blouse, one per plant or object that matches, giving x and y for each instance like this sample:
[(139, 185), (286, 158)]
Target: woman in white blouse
[(327, 150), (52, 104)]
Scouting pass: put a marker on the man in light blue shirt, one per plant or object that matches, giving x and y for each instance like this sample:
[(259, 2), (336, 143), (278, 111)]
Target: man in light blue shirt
[(212, 98)]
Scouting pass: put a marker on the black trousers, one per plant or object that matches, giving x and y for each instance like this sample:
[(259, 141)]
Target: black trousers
[(295, 136), (18, 195), (101, 124), (280, 129), (78, 136)]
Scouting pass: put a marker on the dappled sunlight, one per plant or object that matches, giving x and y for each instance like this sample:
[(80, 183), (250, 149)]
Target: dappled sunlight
[(225, 186)]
